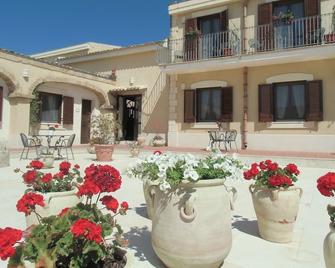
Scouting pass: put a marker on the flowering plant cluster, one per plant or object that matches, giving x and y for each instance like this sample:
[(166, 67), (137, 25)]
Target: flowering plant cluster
[(64, 180), (77, 236), (326, 186), (269, 174), (169, 170)]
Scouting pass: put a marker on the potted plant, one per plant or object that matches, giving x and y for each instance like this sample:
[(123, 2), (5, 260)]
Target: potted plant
[(330, 38), (104, 127), (326, 186), (134, 148), (190, 194), (58, 190), (47, 157), (158, 141), (275, 199), (80, 236), (282, 17)]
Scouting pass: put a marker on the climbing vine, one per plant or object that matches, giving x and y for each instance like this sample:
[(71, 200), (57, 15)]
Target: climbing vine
[(35, 105)]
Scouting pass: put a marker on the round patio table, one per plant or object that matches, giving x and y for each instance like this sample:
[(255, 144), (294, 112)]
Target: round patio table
[(49, 138)]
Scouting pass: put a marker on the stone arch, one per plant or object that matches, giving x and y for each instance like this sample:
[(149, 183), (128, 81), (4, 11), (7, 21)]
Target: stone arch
[(102, 95), (9, 80)]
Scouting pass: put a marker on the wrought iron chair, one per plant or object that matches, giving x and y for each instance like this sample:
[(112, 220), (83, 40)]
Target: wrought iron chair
[(230, 137), (29, 143), (215, 138), (67, 145)]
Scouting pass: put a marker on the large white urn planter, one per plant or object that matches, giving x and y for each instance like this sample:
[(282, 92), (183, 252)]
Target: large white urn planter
[(191, 226), (276, 212), (329, 247), (149, 193), (54, 203)]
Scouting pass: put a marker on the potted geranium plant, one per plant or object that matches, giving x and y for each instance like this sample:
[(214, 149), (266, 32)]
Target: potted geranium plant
[(330, 38), (275, 199), (104, 127), (80, 236), (326, 186), (58, 190), (190, 194)]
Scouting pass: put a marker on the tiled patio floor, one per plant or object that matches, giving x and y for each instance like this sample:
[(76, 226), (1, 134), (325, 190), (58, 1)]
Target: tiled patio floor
[(248, 251)]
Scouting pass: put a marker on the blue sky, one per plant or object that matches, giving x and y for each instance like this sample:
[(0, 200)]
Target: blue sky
[(31, 26)]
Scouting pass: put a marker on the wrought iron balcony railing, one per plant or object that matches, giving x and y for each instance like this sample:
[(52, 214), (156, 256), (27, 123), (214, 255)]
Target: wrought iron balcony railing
[(282, 34)]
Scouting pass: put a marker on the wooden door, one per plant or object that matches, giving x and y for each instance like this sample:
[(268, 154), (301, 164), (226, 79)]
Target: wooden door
[(86, 110)]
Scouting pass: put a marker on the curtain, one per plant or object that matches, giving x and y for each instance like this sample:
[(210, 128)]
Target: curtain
[(50, 108), (282, 101), (298, 100), (209, 105)]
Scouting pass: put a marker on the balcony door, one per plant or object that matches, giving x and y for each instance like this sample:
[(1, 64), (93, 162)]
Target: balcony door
[(289, 25)]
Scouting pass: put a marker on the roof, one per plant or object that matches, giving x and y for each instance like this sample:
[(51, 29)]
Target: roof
[(132, 49), (52, 63), (84, 47)]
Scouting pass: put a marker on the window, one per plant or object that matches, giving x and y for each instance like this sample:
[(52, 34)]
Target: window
[(51, 105), (289, 101), (208, 105)]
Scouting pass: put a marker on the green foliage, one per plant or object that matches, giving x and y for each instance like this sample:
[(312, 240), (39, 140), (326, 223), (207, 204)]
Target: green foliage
[(35, 106), (104, 128), (331, 213)]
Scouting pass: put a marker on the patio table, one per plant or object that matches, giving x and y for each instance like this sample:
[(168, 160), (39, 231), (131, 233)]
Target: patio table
[(49, 138), (224, 136)]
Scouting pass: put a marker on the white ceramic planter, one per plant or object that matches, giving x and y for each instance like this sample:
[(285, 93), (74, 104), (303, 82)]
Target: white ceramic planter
[(276, 212), (48, 161), (191, 226), (329, 247), (149, 193), (54, 203)]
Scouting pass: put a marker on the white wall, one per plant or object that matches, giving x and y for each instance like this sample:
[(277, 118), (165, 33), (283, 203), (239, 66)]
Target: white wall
[(4, 128)]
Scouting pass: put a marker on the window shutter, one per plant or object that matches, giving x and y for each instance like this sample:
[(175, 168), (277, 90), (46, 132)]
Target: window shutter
[(224, 20), (68, 110), (314, 101), (1, 103), (226, 104), (189, 106), (191, 25), (265, 13), (312, 8), (265, 103), (191, 40), (265, 28)]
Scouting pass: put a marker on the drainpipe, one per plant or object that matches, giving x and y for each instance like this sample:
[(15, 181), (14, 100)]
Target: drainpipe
[(245, 109)]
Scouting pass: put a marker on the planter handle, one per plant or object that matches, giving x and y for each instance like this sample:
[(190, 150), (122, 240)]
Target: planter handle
[(233, 195), (151, 194), (187, 211), (251, 188), (301, 192)]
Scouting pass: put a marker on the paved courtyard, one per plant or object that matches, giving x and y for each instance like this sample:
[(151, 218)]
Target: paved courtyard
[(248, 250)]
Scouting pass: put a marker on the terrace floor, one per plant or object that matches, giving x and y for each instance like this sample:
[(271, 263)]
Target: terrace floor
[(249, 250)]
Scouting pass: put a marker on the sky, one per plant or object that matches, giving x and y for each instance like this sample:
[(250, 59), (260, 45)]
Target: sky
[(33, 26)]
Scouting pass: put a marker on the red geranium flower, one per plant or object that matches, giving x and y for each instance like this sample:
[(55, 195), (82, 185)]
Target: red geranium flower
[(124, 205), (36, 164), (273, 166), (158, 152), (8, 238), (280, 181), (30, 176), (292, 169), (28, 202), (58, 176), (326, 184), (110, 202), (64, 167), (87, 229), (88, 188), (46, 178), (76, 166)]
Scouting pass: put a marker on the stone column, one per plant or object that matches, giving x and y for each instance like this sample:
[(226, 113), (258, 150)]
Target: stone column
[(19, 119), (173, 139)]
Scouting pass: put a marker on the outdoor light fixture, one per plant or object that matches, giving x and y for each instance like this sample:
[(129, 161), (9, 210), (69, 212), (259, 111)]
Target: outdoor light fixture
[(25, 73), (132, 81)]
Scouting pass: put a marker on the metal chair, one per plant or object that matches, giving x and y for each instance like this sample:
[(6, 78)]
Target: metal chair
[(215, 138), (230, 137), (29, 143), (67, 145)]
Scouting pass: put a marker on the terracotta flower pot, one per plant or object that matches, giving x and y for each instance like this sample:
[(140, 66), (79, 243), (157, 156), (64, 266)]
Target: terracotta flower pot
[(54, 203), (276, 212), (191, 226), (104, 152), (329, 247)]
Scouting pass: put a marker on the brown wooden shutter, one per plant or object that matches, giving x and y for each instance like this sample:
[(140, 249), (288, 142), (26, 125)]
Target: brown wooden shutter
[(191, 25), (191, 40), (312, 8), (224, 20), (68, 110), (314, 101), (1, 103), (265, 103), (265, 27), (226, 104), (189, 106)]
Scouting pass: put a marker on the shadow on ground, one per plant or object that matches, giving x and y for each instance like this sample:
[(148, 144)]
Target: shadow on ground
[(142, 211), (245, 225), (140, 241)]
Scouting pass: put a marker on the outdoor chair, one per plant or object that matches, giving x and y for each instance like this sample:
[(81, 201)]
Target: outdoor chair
[(230, 138), (66, 144), (29, 143), (215, 138)]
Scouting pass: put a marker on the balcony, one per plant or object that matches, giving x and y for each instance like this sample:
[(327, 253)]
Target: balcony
[(281, 35)]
